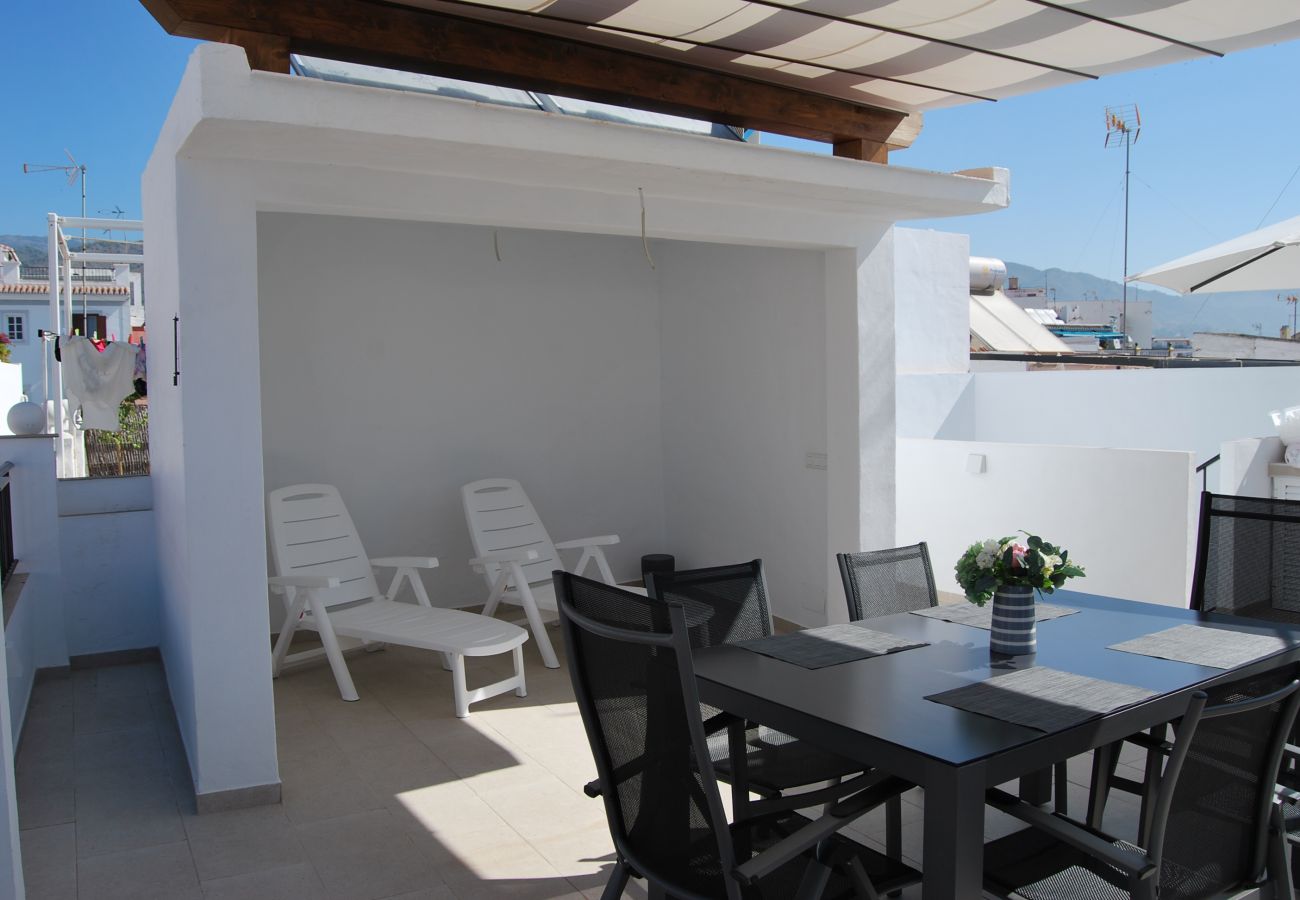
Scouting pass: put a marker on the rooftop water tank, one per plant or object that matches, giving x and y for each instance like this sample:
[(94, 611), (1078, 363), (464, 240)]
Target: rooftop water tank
[(986, 274)]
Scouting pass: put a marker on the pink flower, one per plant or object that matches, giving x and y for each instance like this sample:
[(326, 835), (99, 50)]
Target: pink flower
[(1018, 552)]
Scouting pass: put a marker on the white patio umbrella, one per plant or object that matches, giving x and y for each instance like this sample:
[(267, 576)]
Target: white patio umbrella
[(1264, 260)]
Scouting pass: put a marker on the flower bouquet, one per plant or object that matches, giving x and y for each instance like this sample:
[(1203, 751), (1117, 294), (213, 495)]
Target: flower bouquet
[(988, 566)]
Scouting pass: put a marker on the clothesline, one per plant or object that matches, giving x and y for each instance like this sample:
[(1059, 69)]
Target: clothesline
[(55, 335)]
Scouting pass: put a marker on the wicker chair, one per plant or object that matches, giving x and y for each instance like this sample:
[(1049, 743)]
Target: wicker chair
[(1215, 828), (630, 661)]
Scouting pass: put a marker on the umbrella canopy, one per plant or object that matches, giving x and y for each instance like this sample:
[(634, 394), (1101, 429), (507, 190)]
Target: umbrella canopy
[(1264, 260)]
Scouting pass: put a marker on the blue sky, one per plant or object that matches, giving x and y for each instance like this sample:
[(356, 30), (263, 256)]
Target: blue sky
[(1220, 139)]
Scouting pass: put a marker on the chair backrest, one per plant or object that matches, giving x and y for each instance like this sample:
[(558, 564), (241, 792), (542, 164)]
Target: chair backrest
[(1210, 826), (501, 517), (883, 582), (1248, 557), (630, 662), (312, 534), (724, 604)]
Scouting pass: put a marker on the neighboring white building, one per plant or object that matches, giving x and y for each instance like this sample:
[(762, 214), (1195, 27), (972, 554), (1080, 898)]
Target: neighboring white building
[(110, 297), (1220, 345)]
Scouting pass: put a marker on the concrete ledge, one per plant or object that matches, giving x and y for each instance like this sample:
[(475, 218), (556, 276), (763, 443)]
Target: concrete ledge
[(114, 658), (13, 590), (238, 798)]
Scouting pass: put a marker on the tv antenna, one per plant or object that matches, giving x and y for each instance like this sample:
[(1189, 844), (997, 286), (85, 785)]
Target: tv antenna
[(1295, 302), (74, 171), (1123, 125), (116, 212)]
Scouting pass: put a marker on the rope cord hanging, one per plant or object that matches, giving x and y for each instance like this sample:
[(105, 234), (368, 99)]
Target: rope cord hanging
[(645, 244)]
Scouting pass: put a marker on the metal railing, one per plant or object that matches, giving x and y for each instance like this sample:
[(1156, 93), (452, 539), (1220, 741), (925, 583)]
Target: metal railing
[(42, 273), (1203, 471), (7, 560)]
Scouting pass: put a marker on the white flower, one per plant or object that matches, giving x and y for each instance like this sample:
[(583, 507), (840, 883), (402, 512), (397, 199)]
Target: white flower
[(991, 548), (984, 560)]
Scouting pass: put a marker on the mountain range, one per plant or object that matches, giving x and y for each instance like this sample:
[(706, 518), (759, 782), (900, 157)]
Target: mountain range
[(1172, 315)]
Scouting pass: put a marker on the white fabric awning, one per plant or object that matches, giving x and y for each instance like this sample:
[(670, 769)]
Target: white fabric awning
[(904, 54), (1264, 260)]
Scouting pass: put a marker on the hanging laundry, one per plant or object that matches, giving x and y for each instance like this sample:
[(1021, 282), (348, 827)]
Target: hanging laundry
[(141, 372), (98, 380)]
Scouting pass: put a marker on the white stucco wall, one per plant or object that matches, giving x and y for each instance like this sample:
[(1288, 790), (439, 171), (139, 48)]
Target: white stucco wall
[(1243, 467), (1156, 409), (932, 302), (401, 361), (237, 143), (1124, 515), (744, 403), (111, 591)]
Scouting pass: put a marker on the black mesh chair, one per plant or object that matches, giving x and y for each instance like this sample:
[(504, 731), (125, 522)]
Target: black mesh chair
[(1247, 564), (1214, 829), (725, 605), (1248, 557), (630, 661), (883, 582)]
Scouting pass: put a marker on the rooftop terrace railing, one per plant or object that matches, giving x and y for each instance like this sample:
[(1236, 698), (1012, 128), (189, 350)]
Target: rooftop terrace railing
[(1204, 469), (1128, 360), (42, 273)]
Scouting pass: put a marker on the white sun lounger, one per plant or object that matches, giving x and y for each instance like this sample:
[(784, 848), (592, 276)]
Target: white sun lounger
[(516, 555), (329, 587)]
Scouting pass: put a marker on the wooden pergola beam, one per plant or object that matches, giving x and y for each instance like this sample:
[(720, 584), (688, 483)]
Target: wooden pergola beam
[(418, 40)]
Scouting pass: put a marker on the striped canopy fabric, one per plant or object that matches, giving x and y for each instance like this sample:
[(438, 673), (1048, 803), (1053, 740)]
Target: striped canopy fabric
[(904, 54)]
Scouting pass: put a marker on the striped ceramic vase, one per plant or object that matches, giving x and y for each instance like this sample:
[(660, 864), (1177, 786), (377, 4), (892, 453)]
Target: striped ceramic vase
[(1013, 631)]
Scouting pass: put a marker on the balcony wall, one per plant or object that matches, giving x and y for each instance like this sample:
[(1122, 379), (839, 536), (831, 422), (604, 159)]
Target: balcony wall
[(1125, 515), (110, 553)]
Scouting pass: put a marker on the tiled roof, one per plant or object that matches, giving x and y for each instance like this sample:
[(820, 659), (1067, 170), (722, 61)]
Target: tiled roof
[(92, 289)]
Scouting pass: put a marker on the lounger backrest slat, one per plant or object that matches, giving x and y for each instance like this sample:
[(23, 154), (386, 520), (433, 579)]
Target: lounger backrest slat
[(312, 534), (501, 517)]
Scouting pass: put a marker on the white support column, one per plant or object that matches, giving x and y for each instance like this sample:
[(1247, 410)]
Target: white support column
[(54, 398), (208, 485), (860, 382)]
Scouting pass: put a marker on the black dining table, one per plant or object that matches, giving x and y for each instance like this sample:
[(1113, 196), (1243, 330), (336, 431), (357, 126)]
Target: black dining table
[(874, 710)]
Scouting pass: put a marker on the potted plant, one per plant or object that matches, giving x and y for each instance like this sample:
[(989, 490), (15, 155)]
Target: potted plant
[(1009, 571)]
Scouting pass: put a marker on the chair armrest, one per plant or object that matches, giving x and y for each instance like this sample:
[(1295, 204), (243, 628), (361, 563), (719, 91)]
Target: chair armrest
[(405, 562), (1072, 833), (502, 557), (881, 788), (303, 581), (600, 540)]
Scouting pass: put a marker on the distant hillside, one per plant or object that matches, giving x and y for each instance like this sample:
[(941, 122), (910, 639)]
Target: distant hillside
[(1172, 315), (32, 248)]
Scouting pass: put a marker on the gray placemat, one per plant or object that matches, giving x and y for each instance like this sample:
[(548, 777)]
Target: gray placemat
[(982, 616), (816, 648), (1042, 698), (1218, 648)]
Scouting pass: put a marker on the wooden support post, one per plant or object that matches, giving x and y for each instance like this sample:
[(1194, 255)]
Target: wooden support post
[(856, 148), (266, 52)]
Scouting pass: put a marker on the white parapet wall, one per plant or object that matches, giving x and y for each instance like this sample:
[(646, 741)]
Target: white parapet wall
[(1128, 516), (111, 592)]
